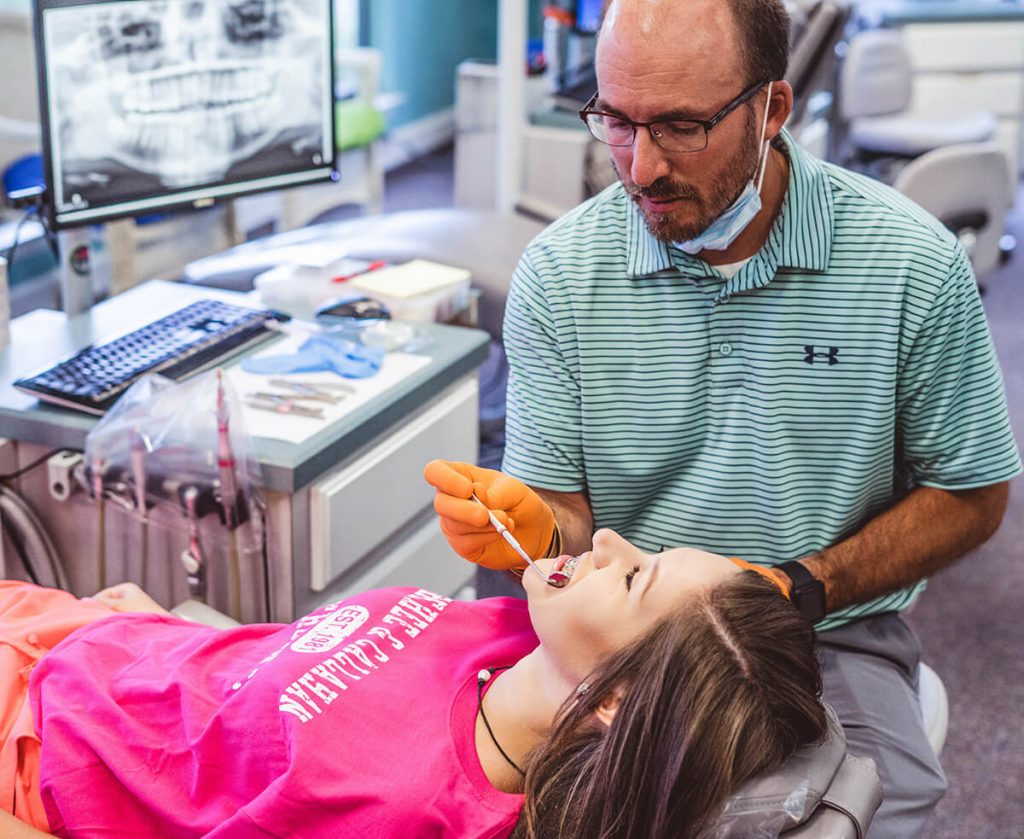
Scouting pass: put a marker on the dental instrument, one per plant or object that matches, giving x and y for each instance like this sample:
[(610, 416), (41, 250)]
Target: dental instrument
[(192, 556), (101, 523), (557, 580), (138, 458), (332, 392), (281, 404), (229, 497)]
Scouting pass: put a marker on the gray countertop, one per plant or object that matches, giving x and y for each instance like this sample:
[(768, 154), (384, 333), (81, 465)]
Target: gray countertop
[(43, 337)]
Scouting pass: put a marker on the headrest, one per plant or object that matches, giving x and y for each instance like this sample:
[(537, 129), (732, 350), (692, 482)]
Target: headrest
[(823, 775)]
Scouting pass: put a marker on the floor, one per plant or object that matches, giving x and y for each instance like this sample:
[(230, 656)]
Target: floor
[(970, 626), (970, 619)]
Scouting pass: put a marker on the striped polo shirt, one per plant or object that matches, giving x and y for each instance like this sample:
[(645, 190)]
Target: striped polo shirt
[(767, 415)]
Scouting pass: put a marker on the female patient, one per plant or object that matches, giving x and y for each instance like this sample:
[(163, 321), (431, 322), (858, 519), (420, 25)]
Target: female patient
[(630, 703)]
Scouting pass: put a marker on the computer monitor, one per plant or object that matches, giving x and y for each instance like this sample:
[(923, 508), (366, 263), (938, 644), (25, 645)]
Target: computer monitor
[(588, 15), (153, 105)]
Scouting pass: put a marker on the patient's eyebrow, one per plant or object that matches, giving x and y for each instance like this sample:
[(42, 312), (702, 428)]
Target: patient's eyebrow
[(651, 574)]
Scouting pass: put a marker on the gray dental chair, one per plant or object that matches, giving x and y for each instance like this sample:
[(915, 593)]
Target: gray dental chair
[(968, 188), (875, 88)]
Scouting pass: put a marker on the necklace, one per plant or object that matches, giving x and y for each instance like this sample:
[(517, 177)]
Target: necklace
[(482, 678)]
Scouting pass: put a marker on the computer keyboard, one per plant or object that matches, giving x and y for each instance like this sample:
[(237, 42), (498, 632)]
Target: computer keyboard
[(178, 345)]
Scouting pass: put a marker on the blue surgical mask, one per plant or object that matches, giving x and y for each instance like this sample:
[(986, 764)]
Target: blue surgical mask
[(723, 231)]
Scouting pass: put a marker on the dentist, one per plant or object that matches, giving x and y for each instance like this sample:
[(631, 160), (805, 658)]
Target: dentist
[(742, 348)]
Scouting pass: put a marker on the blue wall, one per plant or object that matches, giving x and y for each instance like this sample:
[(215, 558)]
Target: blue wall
[(422, 42)]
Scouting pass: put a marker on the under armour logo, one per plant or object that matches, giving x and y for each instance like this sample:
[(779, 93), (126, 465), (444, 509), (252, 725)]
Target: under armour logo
[(830, 355)]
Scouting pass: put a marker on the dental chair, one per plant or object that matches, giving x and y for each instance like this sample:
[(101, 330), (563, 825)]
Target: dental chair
[(967, 188), (875, 88), (822, 792)]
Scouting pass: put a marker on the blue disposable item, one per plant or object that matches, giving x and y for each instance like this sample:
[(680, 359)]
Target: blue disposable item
[(725, 229), (322, 352)]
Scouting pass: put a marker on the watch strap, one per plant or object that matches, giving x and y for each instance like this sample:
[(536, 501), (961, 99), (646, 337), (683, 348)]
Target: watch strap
[(808, 591)]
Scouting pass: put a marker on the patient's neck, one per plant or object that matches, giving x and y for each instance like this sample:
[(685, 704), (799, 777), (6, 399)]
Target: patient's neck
[(520, 705)]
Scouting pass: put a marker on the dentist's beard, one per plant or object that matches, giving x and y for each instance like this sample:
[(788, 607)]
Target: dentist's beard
[(681, 225)]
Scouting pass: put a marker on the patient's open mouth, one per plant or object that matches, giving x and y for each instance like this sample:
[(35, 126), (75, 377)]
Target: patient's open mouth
[(563, 570)]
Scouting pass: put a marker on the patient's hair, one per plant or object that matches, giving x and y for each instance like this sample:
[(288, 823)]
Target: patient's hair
[(710, 697)]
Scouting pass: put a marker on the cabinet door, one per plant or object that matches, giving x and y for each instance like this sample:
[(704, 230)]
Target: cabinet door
[(368, 503)]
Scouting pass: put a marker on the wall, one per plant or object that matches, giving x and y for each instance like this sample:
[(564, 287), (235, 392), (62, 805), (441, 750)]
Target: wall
[(423, 41)]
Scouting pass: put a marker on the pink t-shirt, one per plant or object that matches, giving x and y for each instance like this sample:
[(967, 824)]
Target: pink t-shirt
[(356, 720)]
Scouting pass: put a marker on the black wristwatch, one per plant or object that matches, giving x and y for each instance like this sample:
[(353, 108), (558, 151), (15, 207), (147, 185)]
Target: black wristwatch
[(808, 592)]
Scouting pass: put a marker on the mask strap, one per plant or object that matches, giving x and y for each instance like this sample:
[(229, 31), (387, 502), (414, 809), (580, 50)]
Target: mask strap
[(761, 142)]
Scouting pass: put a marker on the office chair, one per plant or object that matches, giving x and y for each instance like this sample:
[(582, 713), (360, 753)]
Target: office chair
[(874, 94), (967, 187), (934, 706)]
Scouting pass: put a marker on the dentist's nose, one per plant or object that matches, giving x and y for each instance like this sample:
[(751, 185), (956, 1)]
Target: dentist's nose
[(649, 161)]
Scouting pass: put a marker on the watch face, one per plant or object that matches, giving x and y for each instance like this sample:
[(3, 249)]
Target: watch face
[(810, 600)]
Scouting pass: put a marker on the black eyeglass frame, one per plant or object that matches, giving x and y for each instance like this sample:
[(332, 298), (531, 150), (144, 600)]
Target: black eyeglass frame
[(745, 95)]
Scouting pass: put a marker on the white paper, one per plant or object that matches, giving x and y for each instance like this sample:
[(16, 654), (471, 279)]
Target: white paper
[(419, 276), (296, 429)]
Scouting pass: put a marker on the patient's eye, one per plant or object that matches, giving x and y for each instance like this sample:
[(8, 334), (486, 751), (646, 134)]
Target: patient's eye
[(630, 575)]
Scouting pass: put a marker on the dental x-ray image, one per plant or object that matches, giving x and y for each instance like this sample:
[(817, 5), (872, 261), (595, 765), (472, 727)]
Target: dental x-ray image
[(157, 97)]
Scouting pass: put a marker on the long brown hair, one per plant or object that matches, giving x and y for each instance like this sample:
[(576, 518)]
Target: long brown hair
[(711, 696)]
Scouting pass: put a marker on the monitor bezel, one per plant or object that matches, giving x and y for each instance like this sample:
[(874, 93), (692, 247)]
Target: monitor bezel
[(187, 199)]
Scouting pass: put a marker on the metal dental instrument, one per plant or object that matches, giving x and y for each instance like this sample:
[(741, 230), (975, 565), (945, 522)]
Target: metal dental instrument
[(555, 580), (138, 458), (101, 522), (229, 497), (192, 557), (320, 391), (281, 404)]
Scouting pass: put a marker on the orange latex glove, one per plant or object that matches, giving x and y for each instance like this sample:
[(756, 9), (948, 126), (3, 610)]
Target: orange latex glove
[(466, 525)]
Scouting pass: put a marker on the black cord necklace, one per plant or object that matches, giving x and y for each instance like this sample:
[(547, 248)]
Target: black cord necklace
[(482, 678)]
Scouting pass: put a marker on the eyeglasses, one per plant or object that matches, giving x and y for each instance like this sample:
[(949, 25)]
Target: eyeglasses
[(676, 135)]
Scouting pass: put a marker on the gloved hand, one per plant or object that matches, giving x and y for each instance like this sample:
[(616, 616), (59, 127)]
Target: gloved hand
[(466, 525)]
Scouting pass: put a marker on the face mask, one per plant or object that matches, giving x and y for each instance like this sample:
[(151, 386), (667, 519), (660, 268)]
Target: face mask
[(723, 231)]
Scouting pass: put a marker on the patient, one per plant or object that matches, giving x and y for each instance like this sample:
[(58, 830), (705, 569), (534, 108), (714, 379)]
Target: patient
[(630, 703)]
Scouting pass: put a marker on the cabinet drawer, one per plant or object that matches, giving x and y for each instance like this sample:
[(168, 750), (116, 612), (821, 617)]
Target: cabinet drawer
[(365, 502), (965, 46), (424, 559)]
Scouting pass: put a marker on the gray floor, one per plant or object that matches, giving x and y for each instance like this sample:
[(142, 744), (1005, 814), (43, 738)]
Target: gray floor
[(971, 624), (971, 619)]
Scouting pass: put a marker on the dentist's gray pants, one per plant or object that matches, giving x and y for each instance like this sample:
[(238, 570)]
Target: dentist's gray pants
[(869, 670)]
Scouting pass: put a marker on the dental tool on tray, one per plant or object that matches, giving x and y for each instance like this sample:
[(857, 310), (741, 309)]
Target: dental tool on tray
[(557, 579)]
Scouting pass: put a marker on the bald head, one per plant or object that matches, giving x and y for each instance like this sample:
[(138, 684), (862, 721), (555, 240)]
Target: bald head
[(746, 39)]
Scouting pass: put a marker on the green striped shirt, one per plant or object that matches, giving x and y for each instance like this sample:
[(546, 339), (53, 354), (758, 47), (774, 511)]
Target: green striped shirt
[(767, 415)]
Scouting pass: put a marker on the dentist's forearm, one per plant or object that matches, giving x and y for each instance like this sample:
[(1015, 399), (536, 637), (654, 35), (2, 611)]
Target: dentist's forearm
[(573, 517), (925, 532)]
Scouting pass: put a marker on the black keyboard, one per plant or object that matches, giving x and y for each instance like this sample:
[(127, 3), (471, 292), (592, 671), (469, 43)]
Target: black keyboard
[(178, 345)]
